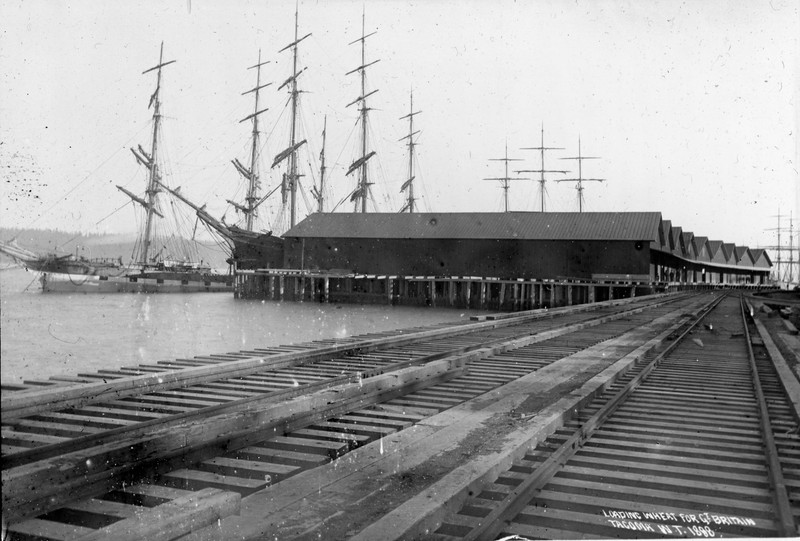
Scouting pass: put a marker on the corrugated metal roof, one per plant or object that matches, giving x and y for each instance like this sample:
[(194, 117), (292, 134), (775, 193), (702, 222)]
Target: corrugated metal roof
[(483, 225)]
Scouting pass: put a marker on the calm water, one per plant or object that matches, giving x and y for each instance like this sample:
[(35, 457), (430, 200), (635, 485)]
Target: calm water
[(48, 334)]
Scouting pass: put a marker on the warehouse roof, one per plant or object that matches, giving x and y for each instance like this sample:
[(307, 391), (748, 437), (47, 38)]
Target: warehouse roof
[(483, 225)]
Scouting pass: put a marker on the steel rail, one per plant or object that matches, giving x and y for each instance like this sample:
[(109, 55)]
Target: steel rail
[(784, 517), (492, 524)]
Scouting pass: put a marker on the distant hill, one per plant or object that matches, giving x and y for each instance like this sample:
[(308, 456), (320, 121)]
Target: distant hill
[(91, 246)]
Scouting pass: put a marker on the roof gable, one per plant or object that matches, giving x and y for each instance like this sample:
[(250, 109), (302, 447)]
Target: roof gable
[(743, 256), (686, 244), (715, 251), (760, 258), (675, 233), (700, 248), (728, 249)]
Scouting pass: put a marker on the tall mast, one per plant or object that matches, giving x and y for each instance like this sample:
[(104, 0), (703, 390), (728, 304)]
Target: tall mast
[(505, 179), (580, 180), (361, 193), (291, 178), (542, 171), (251, 173), (320, 194), (151, 161), (790, 273), (293, 140), (778, 247), (409, 184)]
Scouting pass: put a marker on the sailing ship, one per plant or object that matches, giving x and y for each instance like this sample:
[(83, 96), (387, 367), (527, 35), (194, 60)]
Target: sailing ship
[(252, 250), (249, 248), (163, 261)]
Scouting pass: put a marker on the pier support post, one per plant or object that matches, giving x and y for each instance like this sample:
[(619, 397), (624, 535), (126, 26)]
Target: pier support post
[(532, 294), (327, 287), (502, 295), (516, 296), (389, 289), (452, 292), (272, 288), (433, 292), (569, 295), (611, 292), (281, 286), (467, 295), (302, 280), (483, 294), (591, 294)]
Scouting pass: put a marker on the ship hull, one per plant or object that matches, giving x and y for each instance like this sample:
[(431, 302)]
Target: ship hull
[(163, 282), (256, 251)]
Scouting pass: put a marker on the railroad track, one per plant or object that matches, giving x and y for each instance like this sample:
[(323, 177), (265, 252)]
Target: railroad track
[(688, 444), (199, 434)]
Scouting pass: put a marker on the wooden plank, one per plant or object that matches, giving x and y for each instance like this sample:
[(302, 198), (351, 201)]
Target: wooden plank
[(28, 426), (105, 412), (170, 401), (374, 421), (85, 420), (390, 411), (692, 470), (195, 480), (436, 392), (363, 429), (27, 439), (433, 399), (303, 445), (200, 394), (173, 519), (105, 507), (353, 440), (426, 407), (146, 406), (36, 528), (157, 491), (530, 531), (681, 486), (253, 469), (11, 449), (279, 456), (621, 440)]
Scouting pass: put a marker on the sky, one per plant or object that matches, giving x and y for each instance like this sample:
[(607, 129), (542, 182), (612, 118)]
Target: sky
[(691, 107)]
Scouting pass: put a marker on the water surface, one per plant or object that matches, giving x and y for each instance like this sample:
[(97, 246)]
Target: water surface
[(48, 334)]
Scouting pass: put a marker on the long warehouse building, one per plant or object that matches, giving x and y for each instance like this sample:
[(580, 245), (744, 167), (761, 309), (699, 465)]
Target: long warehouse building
[(596, 246)]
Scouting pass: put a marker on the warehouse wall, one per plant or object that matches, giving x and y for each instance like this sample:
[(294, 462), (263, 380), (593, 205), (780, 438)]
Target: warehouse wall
[(491, 258)]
